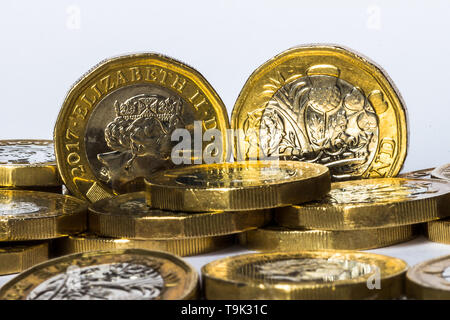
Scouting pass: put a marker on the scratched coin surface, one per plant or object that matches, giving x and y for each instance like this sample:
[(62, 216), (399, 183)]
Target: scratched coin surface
[(371, 203), (429, 280), (323, 104), (128, 274), (28, 163), (117, 121), (238, 186), (304, 275), (442, 172), (32, 215)]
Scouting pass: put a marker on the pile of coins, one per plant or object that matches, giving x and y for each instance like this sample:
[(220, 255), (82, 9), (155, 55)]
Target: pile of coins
[(307, 175)]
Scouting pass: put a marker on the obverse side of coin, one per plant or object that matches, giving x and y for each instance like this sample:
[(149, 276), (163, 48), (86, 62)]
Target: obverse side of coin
[(371, 203), (17, 257), (275, 238), (323, 104), (429, 280), (32, 215), (237, 186), (28, 163), (117, 121), (130, 274), (180, 247), (304, 275), (128, 216), (438, 231), (442, 172), (418, 174)]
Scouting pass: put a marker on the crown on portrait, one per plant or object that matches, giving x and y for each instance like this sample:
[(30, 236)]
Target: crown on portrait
[(148, 106)]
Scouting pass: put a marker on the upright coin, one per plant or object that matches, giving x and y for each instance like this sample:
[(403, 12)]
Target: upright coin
[(17, 257), (131, 274), (429, 280), (117, 123), (237, 186), (128, 216), (304, 275), (371, 203), (31, 215), (442, 172), (323, 104), (418, 174), (28, 163)]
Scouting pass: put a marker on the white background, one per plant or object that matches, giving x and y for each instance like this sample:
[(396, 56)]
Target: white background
[(47, 45)]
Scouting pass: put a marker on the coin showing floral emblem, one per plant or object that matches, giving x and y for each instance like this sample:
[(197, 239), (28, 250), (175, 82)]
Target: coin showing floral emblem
[(323, 104), (117, 122)]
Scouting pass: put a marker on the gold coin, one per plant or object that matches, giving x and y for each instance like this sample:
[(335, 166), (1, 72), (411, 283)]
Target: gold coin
[(275, 238), (323, 104), (117, 121), (304, 275), (181, 247), (429, 280), (438, 231), (418, 174), (442, 172), (371, 203), (128, 216), (28, 163), (237, 186), (16, 257), (31, 215), (58, 190), (129, 274)]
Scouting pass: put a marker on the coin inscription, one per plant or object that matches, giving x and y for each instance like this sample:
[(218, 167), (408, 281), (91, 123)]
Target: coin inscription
[(23, 152)]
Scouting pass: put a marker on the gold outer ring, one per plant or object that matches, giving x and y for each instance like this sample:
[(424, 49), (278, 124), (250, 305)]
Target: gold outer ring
[(314, 184), (29, 175), (235, 278), (17, 257), (438, 231), (187, 277), (69, 216), (170, 225), (180, 247), (383, 213), (284, 239)]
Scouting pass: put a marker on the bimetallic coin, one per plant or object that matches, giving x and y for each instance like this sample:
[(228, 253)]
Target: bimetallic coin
[(17, 257), (418, 174), (128, 216), (275, 238), (429, 280), (304, 275), (371, 203), (28, 163), (438, 231), (117, 122), (237, 186), (180, 247), (31, 215), (130, 274), (323, 104), (442, 172)]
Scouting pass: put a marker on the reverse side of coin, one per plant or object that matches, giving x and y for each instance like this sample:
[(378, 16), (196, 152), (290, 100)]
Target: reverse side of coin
[(28, 163), (418, 174), (117, 121), (131, 274), (323, 104), (442, 172)]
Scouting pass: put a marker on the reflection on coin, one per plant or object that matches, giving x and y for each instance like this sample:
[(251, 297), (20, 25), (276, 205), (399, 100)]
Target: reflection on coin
[(304, 275), (237, 186), (128, 216), (275, 238), (323, 104), (418, 174), (17, 257), (429, 280), (371, 203), (131, 274), (117, 122), (181, 247), (442, 172), (28, 163), (31, 215)]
